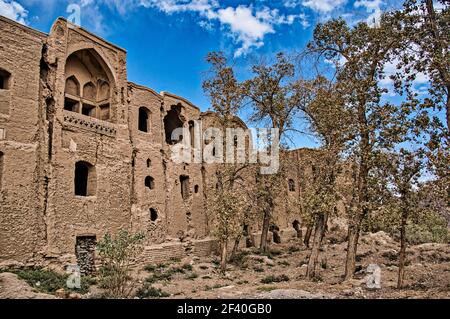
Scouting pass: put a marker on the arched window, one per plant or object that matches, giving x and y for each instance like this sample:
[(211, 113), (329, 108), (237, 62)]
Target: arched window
[(85, 179), (144, 120), (149, 163), (196, 189), (88, 85), (150, 182), (291, 185), (172, 121), (5, 77), (90, 91), (72, 86), (192, 133), (153, 215), (72, 92), (104, 91)]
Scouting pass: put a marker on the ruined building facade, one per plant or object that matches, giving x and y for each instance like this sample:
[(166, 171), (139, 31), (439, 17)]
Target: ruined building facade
[(84, 152)]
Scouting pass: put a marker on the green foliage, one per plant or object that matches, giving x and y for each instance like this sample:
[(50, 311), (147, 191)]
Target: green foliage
[(147, 291), (45, 281), (192, 276), (188, 267), (431, 227), (117, 256), (274, 279), (48, 281), (166, 276), (161, 273)]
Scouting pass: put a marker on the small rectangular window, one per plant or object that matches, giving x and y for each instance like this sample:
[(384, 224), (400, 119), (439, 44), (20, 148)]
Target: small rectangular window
[(71, 105), (88, 110), (4, 80), (185, 193)]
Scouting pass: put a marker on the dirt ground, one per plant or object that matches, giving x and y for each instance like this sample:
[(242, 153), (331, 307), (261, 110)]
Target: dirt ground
[(427, 274)]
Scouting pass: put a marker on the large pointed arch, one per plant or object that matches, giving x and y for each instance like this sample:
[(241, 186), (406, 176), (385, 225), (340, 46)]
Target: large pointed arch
[(96, 81)]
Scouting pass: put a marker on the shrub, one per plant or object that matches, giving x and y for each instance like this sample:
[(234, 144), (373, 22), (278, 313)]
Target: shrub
[(187, 267), (48, 281), (117, 255), (147, 291), (159, 276), (239, 258), (273, 279), (150, 268), (45, 281), (192, 276), (430, 228)]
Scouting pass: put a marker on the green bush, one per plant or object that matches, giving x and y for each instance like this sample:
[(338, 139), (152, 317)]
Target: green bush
[(48, 281), (273, 279), (45, 281), (428, 228), (192, 276), (188, 267), (117, 256), (147, 291), (424, 227)]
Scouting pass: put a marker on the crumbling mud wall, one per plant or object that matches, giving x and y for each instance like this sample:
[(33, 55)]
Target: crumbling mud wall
[(21, 223), (148, 164), (91, 158), (185, 210), (84, 152)]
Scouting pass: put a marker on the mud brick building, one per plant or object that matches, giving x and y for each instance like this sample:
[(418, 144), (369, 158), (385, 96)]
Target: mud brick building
[(85, 152)]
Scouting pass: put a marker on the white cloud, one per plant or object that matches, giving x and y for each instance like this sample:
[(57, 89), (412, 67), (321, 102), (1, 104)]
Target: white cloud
[(245, 24), (249, 29), (323, 6), (13, 10), (204, 7), (374, 8), (419, 84)]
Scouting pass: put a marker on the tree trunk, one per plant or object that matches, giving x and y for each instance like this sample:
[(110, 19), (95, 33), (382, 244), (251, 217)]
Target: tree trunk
[(237, 241), (402, 253), (352, 246), (308, 233), (319, 233), (363, 192), (265, 231), (223, 256)]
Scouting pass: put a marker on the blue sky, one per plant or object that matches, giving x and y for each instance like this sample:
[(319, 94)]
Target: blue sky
[(167, 40)]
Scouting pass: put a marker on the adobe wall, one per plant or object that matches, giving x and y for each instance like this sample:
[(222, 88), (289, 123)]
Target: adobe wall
[(49, 124), (147, 162), (21, 221), (185, 216), (75, 138)]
